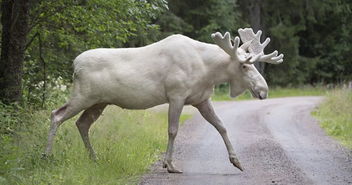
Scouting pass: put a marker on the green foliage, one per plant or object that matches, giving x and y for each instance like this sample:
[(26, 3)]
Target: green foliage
[(315, 38), (62, 29), (330, 39), (335, 115), (199, 19), (127, 142), (314, 35)]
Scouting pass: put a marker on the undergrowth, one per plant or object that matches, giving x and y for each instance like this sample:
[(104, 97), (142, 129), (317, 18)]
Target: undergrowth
[(335, 115), (126, 142)]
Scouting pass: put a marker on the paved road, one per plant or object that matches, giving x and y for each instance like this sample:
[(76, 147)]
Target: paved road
[(276, 140)]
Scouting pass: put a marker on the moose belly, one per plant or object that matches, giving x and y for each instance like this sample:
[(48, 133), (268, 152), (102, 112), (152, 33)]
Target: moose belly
[(133, 96), (137, 102), (126, 90)]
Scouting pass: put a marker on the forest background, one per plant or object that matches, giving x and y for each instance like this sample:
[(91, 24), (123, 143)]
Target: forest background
[(41, 38)]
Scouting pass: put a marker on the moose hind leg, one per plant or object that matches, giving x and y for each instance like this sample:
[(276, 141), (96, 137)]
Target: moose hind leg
[(85, 121), (206, 110), (58, 116)]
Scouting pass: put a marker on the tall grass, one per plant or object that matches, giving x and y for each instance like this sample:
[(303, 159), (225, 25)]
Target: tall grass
[(335, 115), (126, 142)]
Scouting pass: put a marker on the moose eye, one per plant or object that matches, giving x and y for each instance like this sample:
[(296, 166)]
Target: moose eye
[(244, 67)]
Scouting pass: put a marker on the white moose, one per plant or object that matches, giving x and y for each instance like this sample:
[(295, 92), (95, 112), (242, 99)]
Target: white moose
[(176, 70)]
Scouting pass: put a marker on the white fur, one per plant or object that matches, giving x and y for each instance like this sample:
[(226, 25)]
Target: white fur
[(177, 70), (138, 78)]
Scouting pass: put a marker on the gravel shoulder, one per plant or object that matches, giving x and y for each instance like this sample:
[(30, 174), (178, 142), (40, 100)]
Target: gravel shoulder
[(276, 140)]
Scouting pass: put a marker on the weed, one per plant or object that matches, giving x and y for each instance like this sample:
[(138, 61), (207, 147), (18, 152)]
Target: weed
[(335, 115), (126, 142)]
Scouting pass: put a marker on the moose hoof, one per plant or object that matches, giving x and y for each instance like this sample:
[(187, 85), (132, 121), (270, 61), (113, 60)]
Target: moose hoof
[(171, 168), (236, 163)]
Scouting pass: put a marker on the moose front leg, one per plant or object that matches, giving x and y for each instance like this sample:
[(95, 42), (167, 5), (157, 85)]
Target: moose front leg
[(175, 109), (207, 111)]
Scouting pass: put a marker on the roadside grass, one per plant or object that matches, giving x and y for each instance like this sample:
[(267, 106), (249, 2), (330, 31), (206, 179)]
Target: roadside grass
[(335, 115), (184, 117), (276, 92), (126, 142)]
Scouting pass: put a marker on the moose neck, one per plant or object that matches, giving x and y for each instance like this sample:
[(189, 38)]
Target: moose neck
[(220, 67)]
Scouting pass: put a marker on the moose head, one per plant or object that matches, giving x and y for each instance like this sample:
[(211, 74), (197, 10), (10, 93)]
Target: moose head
[(244, 57)]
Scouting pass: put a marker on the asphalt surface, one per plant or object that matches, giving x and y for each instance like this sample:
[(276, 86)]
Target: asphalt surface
[(276, 141)]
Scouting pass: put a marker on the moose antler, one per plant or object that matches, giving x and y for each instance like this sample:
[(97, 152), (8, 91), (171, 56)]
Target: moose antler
[(250, 51), (256, 49), (224, 42)]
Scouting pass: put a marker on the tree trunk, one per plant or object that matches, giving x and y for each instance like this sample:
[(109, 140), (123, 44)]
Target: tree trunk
[(255, 20), (254, 14), (14, 19)]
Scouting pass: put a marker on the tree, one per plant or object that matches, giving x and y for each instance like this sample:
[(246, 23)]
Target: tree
[(198, 19), (252, 11), (15, 15), (315, 38)]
